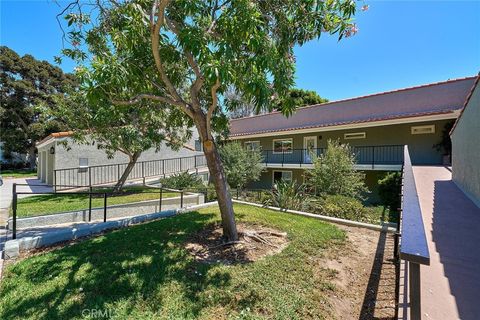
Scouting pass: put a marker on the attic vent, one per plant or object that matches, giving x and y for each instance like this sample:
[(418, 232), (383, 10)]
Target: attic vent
[(423, 129), (355, 135)]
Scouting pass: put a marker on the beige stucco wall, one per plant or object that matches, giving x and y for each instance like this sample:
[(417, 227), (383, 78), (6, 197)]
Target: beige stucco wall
[(466, 149)]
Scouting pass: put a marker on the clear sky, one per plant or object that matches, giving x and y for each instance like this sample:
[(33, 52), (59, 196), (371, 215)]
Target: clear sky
[(399, 44)]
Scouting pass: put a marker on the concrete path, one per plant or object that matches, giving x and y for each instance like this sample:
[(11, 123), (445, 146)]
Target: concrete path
[(451, 284), (32, 185)]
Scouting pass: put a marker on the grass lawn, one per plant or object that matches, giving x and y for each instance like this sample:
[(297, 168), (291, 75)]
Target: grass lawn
[(144, 272), (54, 203), (18, 173)]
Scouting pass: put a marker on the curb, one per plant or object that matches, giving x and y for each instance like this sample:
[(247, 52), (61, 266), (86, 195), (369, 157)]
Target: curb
[(14, 247), (387, 227)]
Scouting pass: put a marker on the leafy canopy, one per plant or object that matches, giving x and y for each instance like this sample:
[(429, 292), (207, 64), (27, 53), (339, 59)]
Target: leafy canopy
[(27, 88), (203, 47), (334, 173), (241, 166)]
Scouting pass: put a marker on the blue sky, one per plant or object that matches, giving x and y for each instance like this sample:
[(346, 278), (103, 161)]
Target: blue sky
[(399, 44)]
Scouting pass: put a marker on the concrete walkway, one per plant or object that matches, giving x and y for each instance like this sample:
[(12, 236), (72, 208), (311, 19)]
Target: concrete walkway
[(451, 284)]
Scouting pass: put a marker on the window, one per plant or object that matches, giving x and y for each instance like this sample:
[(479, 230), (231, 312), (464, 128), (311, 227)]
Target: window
[(282, 175), (282, 145), (252, 145), (355, 135), (198, 145), (423, 129), (83, 162)]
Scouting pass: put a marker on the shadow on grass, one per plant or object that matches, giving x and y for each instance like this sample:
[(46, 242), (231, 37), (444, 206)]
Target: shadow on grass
[(145, 264)]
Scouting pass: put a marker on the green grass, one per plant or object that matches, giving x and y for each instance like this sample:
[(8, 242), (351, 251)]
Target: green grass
[(54, 203), (144, 272), (18, 173)]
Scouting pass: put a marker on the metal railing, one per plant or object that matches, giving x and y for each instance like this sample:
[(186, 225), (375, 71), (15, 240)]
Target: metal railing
[(110, 173), (90, 193), (410, 241), (364, 155)]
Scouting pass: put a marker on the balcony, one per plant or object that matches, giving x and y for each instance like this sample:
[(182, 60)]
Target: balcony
[(386, 157)]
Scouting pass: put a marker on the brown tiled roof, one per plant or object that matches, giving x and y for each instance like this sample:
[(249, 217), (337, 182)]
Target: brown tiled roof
[(431, 99), (466, 102), (55, 135)]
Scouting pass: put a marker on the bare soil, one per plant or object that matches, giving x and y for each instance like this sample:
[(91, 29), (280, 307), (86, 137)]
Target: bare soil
[(364, 276), (255, 242)]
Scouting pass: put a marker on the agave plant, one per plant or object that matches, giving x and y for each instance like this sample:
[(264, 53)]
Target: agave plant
[(287, 195)]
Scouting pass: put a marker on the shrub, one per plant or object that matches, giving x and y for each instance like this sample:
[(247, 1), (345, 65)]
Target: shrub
[(287, 195), (334, 173), (182, 181), (343, 207), (241, 166), (389, 188)]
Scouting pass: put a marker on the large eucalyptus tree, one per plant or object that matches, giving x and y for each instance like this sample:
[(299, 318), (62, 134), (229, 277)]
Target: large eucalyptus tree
[(185, 53)]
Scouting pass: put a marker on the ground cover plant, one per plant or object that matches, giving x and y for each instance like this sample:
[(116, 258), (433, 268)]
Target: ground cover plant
[(55, 203), (146, 272)]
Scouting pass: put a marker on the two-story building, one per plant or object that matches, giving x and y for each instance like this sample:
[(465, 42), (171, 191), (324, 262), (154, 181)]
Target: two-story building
[(376, 126)]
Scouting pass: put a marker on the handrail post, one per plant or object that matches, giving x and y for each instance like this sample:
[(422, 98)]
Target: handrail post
[(414, 288), (143, 172), (283, 156), (181, 169), (105, 207), (373, 157), (160, 200), (90, 204), (181, 199), (14, 210), (301, 157), (55, 181), (89, 176)]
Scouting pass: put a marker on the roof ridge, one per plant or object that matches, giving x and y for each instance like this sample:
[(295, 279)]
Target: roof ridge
[(365, 96)]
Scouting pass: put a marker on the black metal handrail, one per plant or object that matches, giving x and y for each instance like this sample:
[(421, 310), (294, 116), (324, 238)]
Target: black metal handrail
[(364, 155), (110, 173), (91, 193)]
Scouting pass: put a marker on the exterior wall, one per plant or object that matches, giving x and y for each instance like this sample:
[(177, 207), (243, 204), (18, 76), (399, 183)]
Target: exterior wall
[(266, 178), (69, 157), (466, 149), (420, 145)]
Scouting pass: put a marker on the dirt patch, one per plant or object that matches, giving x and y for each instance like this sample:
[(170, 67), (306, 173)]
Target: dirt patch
[(364, 276), (255, 242)]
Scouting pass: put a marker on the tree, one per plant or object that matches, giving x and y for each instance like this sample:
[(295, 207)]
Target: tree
[(242, 108), (186, 53), (241, 166), (334, 172), (130, 130), (27, 87)]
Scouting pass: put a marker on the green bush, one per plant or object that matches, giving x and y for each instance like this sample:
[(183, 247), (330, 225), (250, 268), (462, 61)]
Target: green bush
[(343, 207), (241, 166), (334, 173), (182, 181), (389, 188), (287, 195)]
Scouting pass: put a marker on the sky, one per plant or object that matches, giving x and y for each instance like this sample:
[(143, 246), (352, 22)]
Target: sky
[(399, 44)]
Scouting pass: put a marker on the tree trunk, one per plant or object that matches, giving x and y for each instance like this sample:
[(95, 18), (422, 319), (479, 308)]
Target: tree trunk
[(32, 158), (225, 204), (126, 173)]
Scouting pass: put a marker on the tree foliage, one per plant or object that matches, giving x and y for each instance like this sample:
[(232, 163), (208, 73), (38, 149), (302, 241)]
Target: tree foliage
[(241, 166), (186, 53), (334, 172), (389, 188), (130, 130), (239, 107), (27, 88)]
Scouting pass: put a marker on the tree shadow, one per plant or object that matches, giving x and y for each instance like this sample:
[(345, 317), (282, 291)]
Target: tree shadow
[(376, 302), (132, 265)]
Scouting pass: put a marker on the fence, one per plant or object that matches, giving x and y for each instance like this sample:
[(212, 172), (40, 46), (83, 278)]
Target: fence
[(410, 241), (364, 155), (155, 199), (110, 173)]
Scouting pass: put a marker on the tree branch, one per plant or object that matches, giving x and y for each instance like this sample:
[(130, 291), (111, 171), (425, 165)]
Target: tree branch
[(199, 80), (158, 10), (214, 104), (153, 97)]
